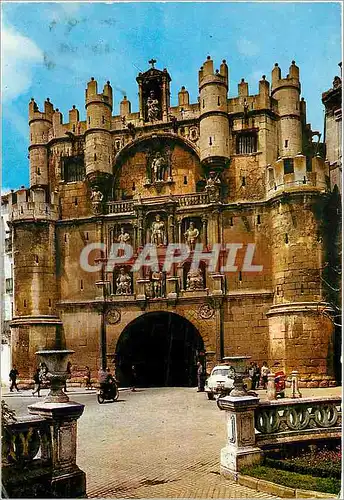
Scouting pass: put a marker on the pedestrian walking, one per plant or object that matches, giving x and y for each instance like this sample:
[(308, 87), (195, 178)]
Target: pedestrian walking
[(13, 378), (37, 381), (265, 370), (88, 378), (133, 378), (200, 378)]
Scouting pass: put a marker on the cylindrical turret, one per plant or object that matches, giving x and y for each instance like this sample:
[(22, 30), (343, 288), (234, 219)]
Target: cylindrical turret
[(98, 146), (214, 128), (39, 123), (287, 92)]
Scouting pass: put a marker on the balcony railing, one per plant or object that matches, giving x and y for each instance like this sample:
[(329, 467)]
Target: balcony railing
[(187, 200)]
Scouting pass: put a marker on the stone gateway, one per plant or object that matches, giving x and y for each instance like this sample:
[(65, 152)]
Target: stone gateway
[(241, 171)]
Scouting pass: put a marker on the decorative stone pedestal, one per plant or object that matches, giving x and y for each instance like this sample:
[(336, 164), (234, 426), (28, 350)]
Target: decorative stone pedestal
[(68, 481), (240, 450)]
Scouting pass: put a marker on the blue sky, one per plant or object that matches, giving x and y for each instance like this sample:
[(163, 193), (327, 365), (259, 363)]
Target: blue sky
[(52, 50)]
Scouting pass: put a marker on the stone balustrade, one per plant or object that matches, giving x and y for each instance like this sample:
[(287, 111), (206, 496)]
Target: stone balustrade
[(27, 457), (188, 200), (254, 426), (119, 207), (286, 420), (39, 453)]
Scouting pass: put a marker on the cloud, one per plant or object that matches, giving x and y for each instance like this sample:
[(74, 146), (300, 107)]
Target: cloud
[(247, 48), (19, 55)]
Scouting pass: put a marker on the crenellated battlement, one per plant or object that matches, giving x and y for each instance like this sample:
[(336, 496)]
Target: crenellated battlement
[(291, 80), (92, 95), (207, 75), (36, 114), (31, 205)]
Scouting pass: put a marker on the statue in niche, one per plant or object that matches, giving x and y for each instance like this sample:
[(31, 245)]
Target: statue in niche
[(158, 232), (156, 289), (123, 283), (213, 187), (153, 108), (96, 199), (123, 238), (194, 280), (158, 168), (191, 235)]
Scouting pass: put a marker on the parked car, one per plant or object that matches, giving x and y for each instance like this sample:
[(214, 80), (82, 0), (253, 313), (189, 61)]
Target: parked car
[(220, 382)]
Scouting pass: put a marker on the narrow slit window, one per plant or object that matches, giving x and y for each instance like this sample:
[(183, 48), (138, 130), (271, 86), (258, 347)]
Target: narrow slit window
[(185, 179), (258, 219), (81, 284), (240, 276), (36, 259), (24, 303), (49, 302), (243, 181), (76, 201), (286, 238), (231, 221), (210, 141), (65, 238), (286, 143), (218, 100), (302, 289)]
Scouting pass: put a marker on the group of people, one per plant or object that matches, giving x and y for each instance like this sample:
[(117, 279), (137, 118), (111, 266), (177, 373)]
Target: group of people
[(259, 375)]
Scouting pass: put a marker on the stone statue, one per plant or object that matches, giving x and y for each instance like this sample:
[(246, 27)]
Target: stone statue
[(123, 237), (213, 187), (191, 235), (158, 167), (96, 199), (153, 108), (156, 284), (194, 280), (337, 82), (158, 236), (123, 283)]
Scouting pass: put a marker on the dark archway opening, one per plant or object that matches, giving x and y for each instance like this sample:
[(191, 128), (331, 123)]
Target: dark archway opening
[(164, 348)]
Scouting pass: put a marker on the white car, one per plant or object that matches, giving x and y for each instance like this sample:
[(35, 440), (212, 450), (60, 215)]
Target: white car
[(221, 381)]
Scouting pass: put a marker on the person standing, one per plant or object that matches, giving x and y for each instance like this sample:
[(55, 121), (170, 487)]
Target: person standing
[(88, 378), (200, 379), (37, 380), (265, 370), (133, 378), (13, 378)]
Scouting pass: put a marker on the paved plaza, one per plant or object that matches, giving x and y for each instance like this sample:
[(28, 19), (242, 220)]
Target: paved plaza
[(153, 443)]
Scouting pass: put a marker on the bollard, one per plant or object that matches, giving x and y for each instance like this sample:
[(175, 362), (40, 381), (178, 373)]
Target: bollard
[(295, 391), (271, 392)]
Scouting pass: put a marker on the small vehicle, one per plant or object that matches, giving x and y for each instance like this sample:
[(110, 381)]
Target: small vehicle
[(220, 382), (280, 384), (108, 393)]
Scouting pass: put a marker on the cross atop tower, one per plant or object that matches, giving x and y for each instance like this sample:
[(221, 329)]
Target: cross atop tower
[(152, 62)]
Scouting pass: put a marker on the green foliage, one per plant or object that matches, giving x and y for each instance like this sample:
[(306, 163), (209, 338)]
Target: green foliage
[(294, 479), (323, 463)]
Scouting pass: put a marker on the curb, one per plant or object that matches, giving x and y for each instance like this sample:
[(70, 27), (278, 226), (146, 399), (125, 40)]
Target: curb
[(278, 489), (28, 392)]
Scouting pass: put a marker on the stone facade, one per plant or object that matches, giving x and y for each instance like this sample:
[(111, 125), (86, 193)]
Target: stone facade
[(242, 169)]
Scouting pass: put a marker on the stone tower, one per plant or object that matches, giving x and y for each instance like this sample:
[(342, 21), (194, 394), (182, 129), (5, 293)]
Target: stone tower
[(214, 125)]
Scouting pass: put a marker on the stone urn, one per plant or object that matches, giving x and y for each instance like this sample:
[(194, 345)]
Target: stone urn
[(56, 363), (239, 364)]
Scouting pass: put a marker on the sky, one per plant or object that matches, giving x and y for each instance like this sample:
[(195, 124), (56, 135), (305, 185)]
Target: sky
[(52, 49)]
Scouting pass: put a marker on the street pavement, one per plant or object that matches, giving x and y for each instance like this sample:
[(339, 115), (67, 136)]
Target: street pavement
[(153, 443)]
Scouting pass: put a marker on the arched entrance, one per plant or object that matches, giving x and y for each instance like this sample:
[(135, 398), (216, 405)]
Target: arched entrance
[(163, 346)]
